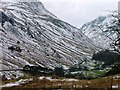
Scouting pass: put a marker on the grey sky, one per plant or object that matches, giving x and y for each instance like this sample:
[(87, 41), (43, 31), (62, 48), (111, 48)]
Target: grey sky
[(78, 12)]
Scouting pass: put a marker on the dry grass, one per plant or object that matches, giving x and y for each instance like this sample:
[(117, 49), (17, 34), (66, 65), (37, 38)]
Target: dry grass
[(97, 84)]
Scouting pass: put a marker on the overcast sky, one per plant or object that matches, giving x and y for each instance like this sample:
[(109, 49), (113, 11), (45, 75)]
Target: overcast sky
[(78, 12)]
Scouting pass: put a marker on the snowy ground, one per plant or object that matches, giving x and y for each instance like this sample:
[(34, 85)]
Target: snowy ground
[(22, 81), (50, 78), (58, 82), (115, 86)]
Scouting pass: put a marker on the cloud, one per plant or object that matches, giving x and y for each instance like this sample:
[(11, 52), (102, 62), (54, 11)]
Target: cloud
[(78, 12), (78, 1)]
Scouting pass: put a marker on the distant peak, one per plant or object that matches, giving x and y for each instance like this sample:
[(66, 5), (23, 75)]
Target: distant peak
[(19, 1), (33, 6)]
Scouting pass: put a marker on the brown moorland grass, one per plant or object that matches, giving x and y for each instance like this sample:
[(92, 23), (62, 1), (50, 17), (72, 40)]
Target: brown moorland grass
[(103, 83)]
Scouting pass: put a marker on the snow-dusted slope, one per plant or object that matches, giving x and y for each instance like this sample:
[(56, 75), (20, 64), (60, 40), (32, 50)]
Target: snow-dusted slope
[(32, 35), (95, 31)]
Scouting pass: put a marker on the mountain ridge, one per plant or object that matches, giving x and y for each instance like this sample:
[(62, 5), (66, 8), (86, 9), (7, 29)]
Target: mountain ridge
[(96, 31), (38, 37)]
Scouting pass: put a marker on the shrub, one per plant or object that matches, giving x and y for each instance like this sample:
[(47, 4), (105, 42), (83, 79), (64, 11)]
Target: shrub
[(59, 71), (107, 56), (36, 70)]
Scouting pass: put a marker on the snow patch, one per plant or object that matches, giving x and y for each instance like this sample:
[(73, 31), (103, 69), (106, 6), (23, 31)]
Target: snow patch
[(115, 86), (22, 81), (70, 80), (50, 78), (116, 77)]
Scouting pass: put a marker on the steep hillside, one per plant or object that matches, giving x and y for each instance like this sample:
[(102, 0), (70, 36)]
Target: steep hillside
[(95, 30), (31, 35)]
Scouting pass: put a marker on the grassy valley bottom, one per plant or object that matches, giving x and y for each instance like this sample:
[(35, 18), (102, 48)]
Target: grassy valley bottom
[(49, 83)]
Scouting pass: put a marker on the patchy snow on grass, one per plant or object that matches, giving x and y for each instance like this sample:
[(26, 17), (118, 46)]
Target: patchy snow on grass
[(9, 85), (70, 80), (47, 78), (22, 81), (116, 77), (43, 77), (115, 86), (50, 79)]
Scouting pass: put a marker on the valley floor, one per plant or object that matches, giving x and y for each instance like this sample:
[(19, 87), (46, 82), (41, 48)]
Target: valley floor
[(43, 83)]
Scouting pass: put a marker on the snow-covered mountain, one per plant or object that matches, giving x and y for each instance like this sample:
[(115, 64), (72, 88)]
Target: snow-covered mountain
[(95, 30), (31, 35)]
